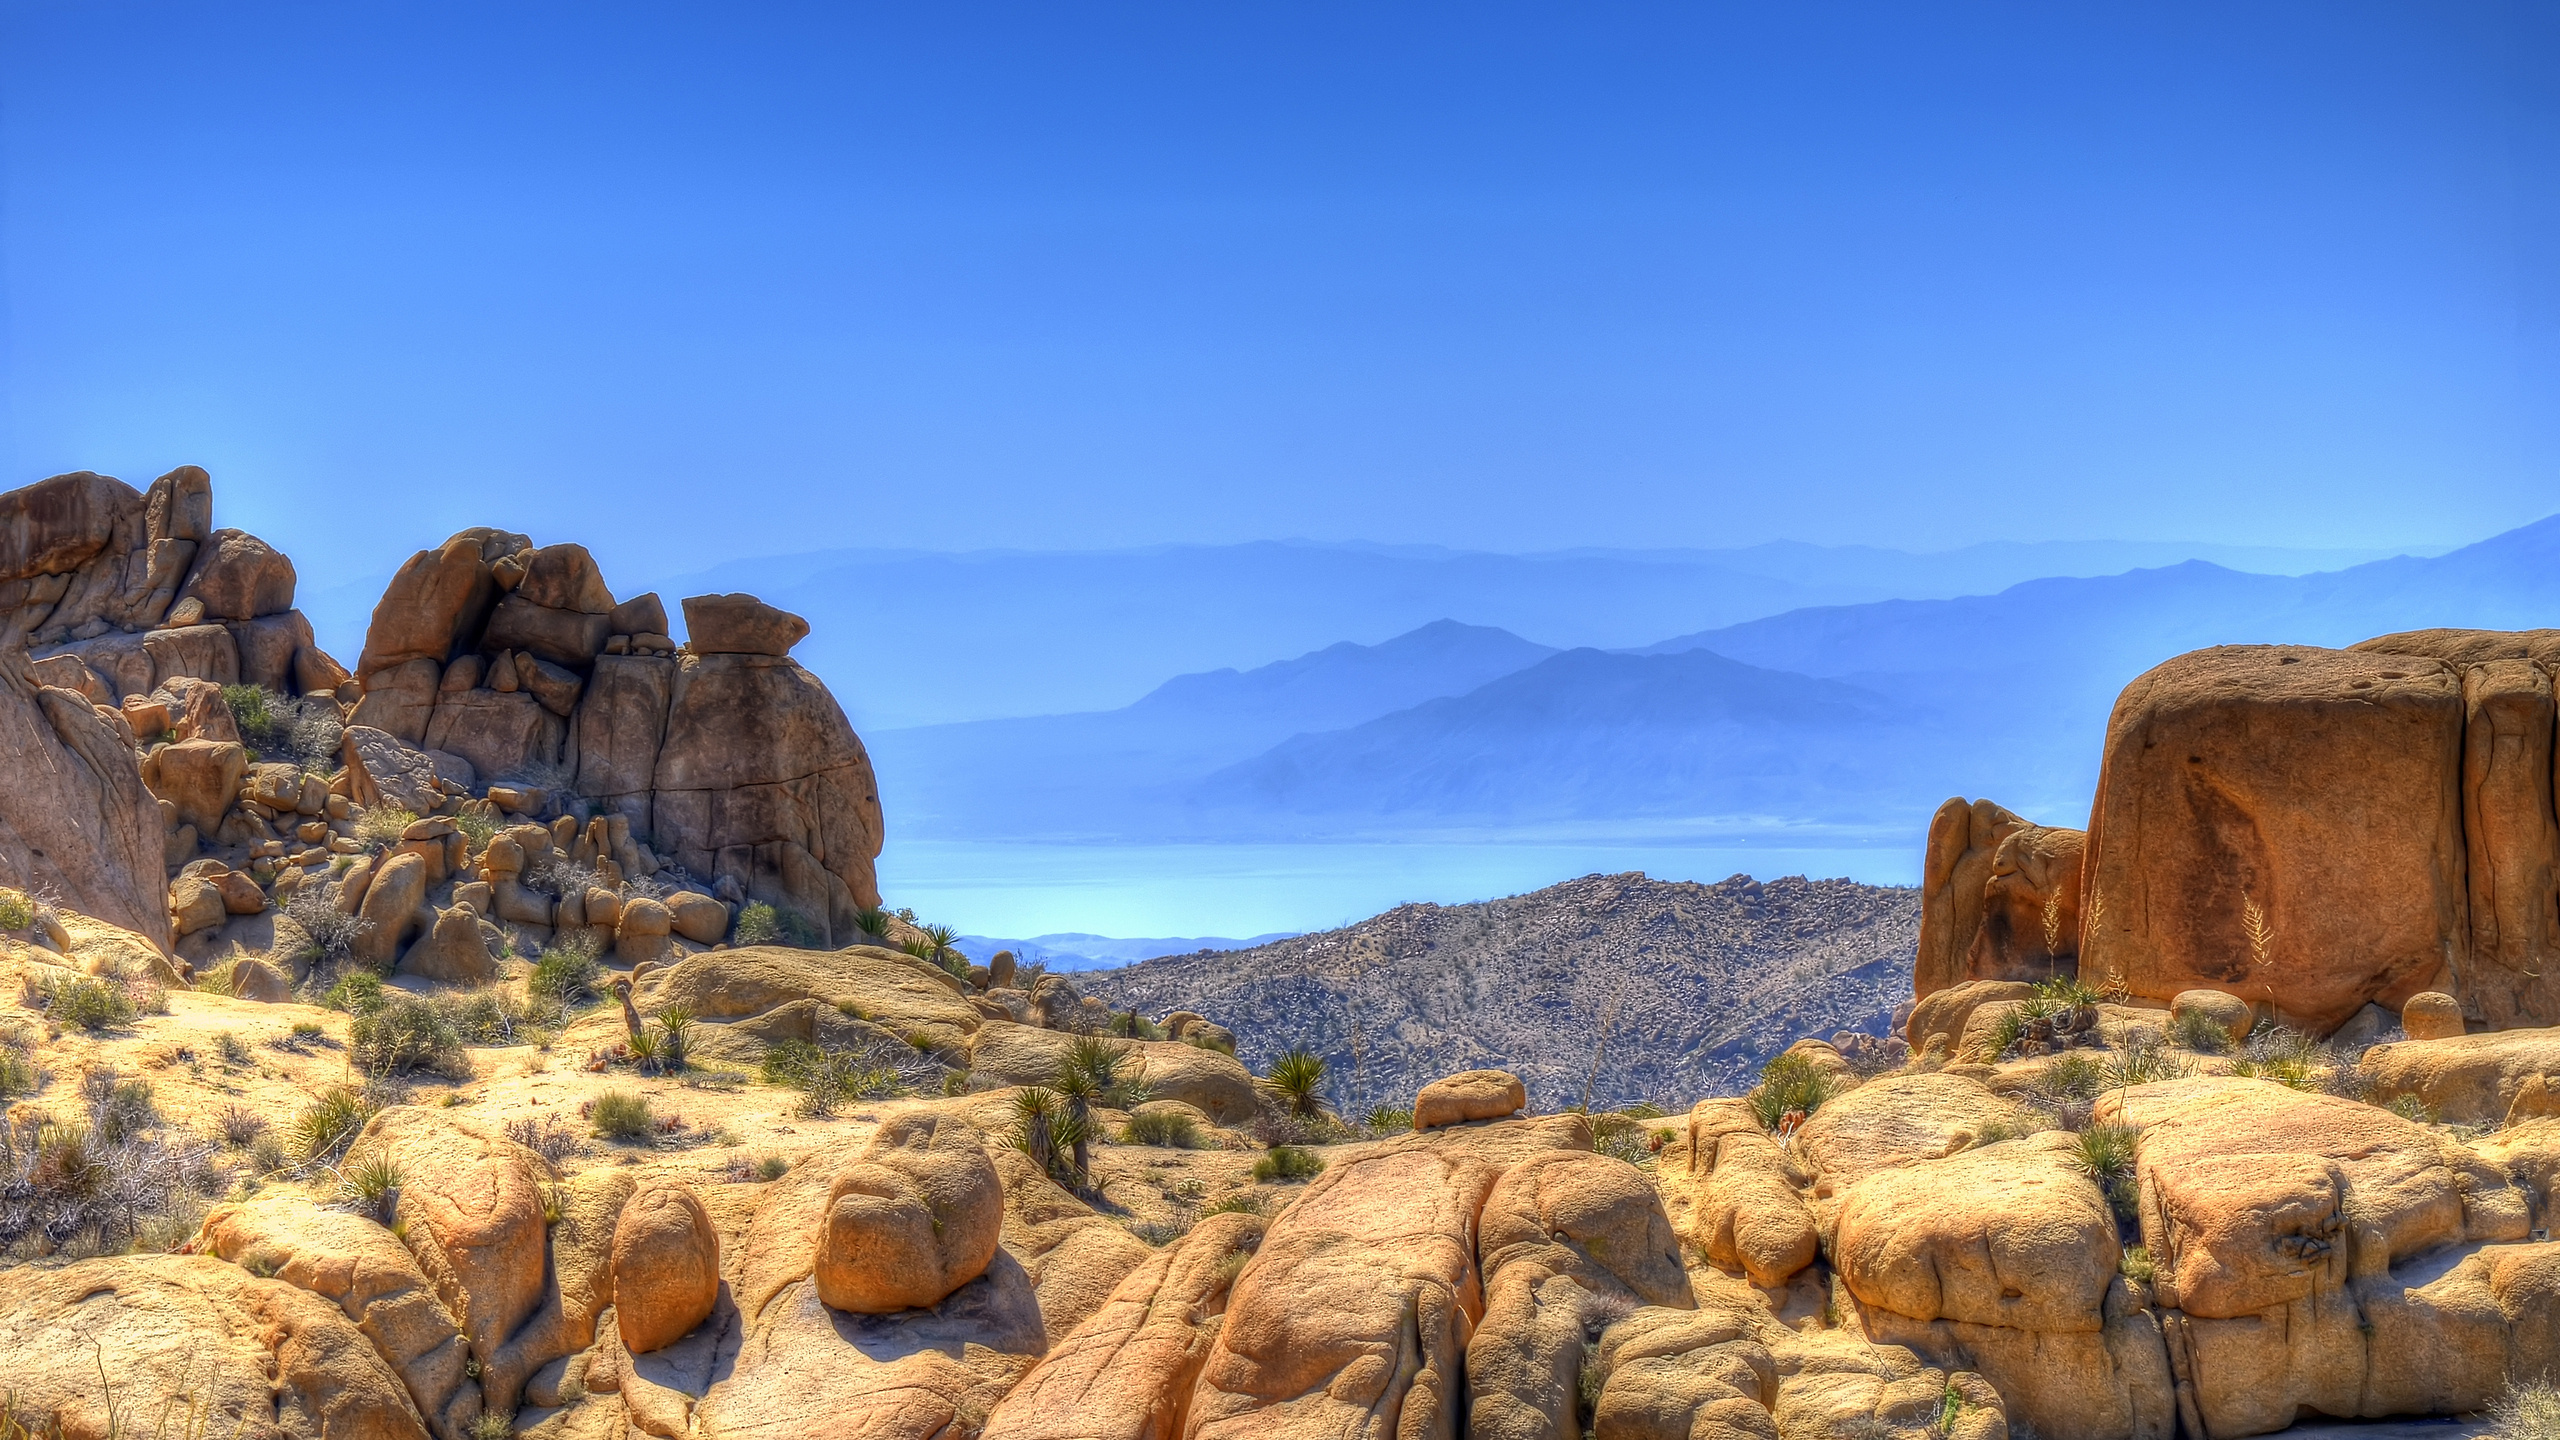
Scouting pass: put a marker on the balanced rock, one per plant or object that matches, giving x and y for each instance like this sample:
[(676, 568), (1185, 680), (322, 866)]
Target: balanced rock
[(238, 576), (1469, 1095), (2431, 1015)]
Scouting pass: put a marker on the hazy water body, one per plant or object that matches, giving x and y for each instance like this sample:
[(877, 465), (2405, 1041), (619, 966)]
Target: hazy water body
[(998, 888)]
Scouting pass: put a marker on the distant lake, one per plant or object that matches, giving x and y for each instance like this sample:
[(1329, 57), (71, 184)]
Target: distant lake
[(999, 888)]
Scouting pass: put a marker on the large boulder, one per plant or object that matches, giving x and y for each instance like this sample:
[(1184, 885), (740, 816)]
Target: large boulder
[(666, 1266), (1126, 1372), (1726, 1188), (1215, 1084), (1963, 837), (393, 909), (238, 576), (1944, 1013), (1377, 1259), (1897, 1120), (76, 820), (2324, 1256), (914, 1217), (453, 949), (2464, 1079), (2282, 822), (357, 1265), (199, 778), (243, 1355), (1467, 1096), (560, 611), (761, 780), (437, 604), (501, 735)]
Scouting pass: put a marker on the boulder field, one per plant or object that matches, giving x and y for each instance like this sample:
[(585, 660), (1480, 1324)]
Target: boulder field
[(504, 1037)]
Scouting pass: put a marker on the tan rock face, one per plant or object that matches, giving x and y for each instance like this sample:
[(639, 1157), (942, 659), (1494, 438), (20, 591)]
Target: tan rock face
[(1215, 1084), (666, 1266), (1963, 837), (262, 1356), (453, 950), (1896, 1120), (76, 818), (2464, 1079), (913, 1218), (437, 603), (2283, 823), (2030, 907), (1946, 1011), (1728, 1190), (1468, 1095), (2229, 1013)]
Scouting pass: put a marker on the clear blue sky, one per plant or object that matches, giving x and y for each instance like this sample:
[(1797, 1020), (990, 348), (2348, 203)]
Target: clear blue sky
[(695, 282)]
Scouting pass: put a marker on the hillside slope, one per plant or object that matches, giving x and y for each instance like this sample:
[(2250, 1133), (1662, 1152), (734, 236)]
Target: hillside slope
[(1707, 982)]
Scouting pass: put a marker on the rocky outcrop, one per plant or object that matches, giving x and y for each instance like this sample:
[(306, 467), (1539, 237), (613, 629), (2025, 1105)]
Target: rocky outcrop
[(1468, 1095), (912, 1219), (2000, 898), (75, 818), (666, 1267), (728, 759)]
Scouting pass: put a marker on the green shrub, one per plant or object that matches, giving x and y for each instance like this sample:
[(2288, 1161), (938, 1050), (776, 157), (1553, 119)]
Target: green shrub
[(2146, 1062), (2136, 1264), (240, 1126), (760, 923), (17, 912), (119, 1109), (1130, 1025), (2107, 1154), (1296, 1081), (251, 712), (19, 1073), (1288, 1162), (1048, 1130), (329, 1124), (404, 1033), (1384, 1118), (674, 1024), (2411, 1109), (1102, 1071), (235, 1051), (567, 971), (490, 1425), (91, 1002), (1238, 1202), (478, 828), (1789, 1084), (772, 1167), (355, 993), (379, 828), (621, 1115), (2195, 1030), (2072, 1075), (828, 1078), (371, 1183), (1173, 1129), (873, 923)]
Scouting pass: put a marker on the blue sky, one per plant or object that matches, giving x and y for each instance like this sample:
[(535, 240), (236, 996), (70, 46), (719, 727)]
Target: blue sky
[(698, 282)]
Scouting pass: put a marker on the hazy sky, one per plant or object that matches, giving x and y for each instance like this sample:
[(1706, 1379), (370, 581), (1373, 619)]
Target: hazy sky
[(694, 282)]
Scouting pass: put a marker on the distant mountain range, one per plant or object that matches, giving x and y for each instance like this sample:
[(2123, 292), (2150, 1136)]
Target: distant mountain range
[(1863, 714), (1078, 951)]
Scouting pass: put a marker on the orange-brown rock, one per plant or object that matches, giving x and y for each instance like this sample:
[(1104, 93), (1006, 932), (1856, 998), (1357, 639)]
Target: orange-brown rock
[(914, 1217), (2030, 927), (2431, 1015), (250, 1356), (666, 1266), (1727, 1189), (435, 606), (2283, 823), (1467, 1096), (1944, 1013), (1355, 1314), (1126, 1372), (739, 625), (1963, 838), (238, 576), (76, 819), (2463, 1079)]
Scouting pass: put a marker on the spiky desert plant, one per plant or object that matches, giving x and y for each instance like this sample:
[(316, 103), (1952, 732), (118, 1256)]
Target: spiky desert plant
[(1790, 1086), (1296, 1081)]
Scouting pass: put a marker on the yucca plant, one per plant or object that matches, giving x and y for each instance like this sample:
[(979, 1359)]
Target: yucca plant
[(1297, 1082), (1791, 1088), (329, 1124), (372, 1183), (942, 948), (1044, 1130), (1089, 1076), (873, 923), (675, 1036)]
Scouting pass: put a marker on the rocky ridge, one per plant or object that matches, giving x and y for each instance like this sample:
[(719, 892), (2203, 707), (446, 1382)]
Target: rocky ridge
[(1706, 982)]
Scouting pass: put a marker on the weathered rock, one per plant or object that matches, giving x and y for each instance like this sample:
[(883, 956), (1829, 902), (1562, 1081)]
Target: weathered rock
[(739, 625), (2030, 926), (391, 909), (1896, 1120), (555, 687), (384, 770), (254, 1356), (1073, 1257), (1947, 1010), (370, 1276), (666, 1266), (1963, 838), (399, 700), (500, 734), (198, 652), (641, 614), (1566, 1242), (1469, 1095), (437, 604), (2463, 1079), (697, 917), (1726, 1187), (1126, 1373), (452, 950), (195, 905), (762, 781), (1355, 1314), (1678, 1374), (76, 819), (256, 979), (912, 1219), (473, 1206), (2284, 823), (2431, 1015), (238, 576)]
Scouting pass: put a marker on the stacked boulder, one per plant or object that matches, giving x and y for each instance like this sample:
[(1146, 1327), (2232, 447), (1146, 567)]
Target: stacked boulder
[(728, 758)]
